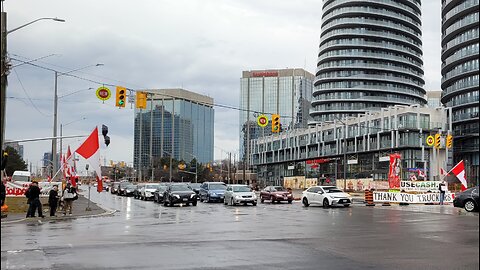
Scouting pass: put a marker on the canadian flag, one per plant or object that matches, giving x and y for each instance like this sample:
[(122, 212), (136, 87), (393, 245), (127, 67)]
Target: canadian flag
[(421, 174), (443, 172), (70, 166), (459, 171), (90, 150)]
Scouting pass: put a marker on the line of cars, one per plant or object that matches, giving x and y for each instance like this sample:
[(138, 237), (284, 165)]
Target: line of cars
[(170, 194)]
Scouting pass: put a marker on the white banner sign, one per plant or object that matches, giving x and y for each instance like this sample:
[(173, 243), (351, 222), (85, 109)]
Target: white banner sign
[(18, 188), (397, 197), (419, 185)]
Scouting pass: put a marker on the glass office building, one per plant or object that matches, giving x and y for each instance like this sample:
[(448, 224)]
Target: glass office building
[(370, 57), (287, 92), (181, 123), (460, 79)]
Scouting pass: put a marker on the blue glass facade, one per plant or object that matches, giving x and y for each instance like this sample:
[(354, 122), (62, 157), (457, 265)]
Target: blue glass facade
[(182, 126)]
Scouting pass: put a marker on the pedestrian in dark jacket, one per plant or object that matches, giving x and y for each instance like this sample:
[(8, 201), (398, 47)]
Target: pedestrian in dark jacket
[(53, 200), (3, 193), (69, 195), (33, 195)]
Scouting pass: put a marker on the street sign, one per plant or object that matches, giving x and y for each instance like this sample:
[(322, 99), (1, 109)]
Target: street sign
[(430, 140), (103, 93), (262, 120)]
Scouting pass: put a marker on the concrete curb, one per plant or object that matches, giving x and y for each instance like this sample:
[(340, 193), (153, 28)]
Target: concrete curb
[(106, 213)]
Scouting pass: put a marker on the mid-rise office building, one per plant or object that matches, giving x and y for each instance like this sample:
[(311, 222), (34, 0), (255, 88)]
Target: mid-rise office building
[(287, 92), (355, 147), (181, 124), (460, 79), (370, 57)]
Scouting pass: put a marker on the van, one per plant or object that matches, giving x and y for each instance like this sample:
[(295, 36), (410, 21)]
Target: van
[(24, 176)]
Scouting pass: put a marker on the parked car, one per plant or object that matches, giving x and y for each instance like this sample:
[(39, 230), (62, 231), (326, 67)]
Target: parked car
[(468, 199), (158, 193), (114, 188), (136, 191), (275, 194), (122, 188), (235, 194), (195, 187), (179, 193), (146, 193), (129, 190), (212, 191), (325, 196)]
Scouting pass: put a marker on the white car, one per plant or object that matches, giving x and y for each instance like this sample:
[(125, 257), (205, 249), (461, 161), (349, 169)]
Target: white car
[(326, 196), (147, 191), (235, 194)]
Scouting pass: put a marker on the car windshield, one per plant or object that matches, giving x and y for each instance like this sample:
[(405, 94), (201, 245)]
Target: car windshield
[(162, 188), (332, 189), (279, 188), (241, 189), (131, 186), (180, 188), (151, 186), (218, 187), (196, 185)]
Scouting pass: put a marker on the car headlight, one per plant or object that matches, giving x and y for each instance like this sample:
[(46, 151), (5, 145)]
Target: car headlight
[(238, 197), (193, 195), (176, 196), (213, 194)]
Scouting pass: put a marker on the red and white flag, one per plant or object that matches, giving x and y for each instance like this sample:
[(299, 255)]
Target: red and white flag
[(90, 150), (443, 172), (421, 174), (459, 171)]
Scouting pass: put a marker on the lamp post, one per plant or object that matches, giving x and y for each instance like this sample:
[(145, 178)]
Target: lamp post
[(55, 112), (6, 66), (344, 155)]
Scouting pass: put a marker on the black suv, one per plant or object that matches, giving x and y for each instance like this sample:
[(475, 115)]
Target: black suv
[(179, 193)]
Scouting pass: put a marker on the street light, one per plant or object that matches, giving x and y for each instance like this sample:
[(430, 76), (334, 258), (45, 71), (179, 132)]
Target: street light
[(5, 66), (55, 111), (344, 153)]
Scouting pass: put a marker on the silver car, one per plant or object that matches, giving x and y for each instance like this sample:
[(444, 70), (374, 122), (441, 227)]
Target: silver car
[(238, 194)]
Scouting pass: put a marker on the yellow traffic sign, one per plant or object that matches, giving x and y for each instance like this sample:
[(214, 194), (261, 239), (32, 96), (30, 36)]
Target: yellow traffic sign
[(430, 140), (262, 120), (103, 93)]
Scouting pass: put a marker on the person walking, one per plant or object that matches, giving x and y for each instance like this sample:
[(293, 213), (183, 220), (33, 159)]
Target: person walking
[(53, 200), (33, 195), (69, 195), (443, 188)]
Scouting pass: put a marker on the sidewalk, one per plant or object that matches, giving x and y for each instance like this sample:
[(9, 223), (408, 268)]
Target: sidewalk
[(79, 211)]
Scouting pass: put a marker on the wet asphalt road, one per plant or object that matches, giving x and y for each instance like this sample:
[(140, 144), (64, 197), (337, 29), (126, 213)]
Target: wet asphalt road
[(145, 235)]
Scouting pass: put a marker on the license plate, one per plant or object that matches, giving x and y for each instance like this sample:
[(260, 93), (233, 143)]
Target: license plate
[(185, 199)]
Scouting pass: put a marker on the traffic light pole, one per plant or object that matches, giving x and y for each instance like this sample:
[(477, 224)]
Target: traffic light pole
[(151, 136)]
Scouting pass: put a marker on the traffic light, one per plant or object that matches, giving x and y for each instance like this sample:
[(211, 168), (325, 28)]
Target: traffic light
[(141, 100), (4, 160), (449, 141), (121, 97), (437, 141), (275, 123), (104, 133)]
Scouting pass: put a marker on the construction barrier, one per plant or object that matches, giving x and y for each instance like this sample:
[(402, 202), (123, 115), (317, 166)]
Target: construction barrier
[(369, 197)]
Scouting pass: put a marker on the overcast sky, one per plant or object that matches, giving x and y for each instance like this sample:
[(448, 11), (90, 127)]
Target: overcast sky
[(202, 46)]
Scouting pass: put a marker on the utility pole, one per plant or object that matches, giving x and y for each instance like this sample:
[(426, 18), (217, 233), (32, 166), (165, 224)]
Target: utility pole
[(54, 141), (151, 136), (140, 154), (5, 71), (229, 164)]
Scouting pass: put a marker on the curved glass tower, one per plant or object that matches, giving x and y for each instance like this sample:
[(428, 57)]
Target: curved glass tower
[(460, 78), (370, 57)]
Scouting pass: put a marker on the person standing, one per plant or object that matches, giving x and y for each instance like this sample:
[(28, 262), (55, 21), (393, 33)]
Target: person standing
[(69, 195), (53, 200), (442, 187), (3, 193), (33, 195)]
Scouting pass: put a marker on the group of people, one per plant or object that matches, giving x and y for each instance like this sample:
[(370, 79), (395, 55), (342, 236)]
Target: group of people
[(69, 194)]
